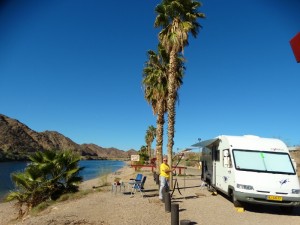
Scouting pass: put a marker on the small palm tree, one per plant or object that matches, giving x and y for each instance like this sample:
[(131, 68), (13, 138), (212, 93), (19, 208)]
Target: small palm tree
[(49, 175), (143, 154), (32, 189), (61, 168), (177, 18), (150, 136)]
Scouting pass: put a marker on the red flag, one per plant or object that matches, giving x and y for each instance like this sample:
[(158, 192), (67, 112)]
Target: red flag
[(295, 44)]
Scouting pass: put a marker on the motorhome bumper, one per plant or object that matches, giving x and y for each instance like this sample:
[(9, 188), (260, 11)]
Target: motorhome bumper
[(262, 199)]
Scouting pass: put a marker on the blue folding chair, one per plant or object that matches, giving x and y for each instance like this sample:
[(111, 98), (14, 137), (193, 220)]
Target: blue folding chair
[(139, 177), (138, 186), (132, 181)]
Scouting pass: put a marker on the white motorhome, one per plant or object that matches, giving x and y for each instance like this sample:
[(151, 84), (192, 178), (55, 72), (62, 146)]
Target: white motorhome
[(251, 169)]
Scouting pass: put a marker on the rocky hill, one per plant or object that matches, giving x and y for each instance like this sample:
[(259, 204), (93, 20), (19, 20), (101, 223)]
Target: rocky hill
[(17, 141)]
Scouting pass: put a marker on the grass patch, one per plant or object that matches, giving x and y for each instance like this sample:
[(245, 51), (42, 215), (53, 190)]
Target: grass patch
[(103, 181), (41, 207), (66, 197), (72, 196)]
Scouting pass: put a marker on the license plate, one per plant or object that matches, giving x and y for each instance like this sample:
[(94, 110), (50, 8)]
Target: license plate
[(274, 198)]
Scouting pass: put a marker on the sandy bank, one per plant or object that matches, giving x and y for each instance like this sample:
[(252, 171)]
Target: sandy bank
[(102, 207)]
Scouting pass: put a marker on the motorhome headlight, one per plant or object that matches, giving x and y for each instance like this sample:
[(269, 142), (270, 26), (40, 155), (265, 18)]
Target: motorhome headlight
[(246, 187), (295, 191)]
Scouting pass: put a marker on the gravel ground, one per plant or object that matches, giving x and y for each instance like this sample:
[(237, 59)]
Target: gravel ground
[(102, 207)]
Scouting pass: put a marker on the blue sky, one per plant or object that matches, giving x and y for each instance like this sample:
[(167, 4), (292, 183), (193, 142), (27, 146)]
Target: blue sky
[(75, 67)]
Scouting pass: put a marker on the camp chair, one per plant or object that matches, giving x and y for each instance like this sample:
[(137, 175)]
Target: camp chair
[(143, 182), (138, 186), (132, 181)]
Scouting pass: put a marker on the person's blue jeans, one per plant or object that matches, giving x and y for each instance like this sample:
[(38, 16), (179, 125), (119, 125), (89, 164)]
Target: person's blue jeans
[(164, 182)]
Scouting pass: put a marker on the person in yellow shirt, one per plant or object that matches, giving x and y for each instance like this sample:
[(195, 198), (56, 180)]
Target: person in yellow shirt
[(164, 176)]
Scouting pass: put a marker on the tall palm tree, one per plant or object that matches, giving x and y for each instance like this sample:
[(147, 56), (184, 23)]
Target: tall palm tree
[(150, 136), (156, 93), (155, 87), (177, 18)]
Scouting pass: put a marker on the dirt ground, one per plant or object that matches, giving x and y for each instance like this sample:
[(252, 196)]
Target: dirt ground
[(104, 207)]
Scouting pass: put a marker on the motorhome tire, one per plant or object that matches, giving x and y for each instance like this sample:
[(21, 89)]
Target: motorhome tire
[(207, 181), (287, 210), (235, 202)]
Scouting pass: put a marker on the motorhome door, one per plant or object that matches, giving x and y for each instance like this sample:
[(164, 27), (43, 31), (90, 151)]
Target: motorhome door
[(215, 159)]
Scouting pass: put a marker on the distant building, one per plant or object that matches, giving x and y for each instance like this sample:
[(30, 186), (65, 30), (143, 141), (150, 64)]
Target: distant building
[(294, 148)]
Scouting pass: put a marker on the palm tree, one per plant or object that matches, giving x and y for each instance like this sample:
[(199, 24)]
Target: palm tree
[(143, 154), (49, 175), (60, 168), (177, 18), (155, 86), (143, 149), (32, 189), (150, 136)]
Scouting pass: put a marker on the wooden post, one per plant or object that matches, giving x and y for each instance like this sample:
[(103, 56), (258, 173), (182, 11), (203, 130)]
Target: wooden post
[(174, 214), (167, 202)]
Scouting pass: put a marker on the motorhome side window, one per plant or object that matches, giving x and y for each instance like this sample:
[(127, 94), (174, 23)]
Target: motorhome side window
[(215, 153), (226, 159)]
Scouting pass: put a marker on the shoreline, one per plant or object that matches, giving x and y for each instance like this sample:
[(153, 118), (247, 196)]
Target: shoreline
[(101, 206), (5, 191), (100, 184), (106, 178), (95, 182)]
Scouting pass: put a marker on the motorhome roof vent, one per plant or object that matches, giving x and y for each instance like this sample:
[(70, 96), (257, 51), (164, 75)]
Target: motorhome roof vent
[(251, 136)]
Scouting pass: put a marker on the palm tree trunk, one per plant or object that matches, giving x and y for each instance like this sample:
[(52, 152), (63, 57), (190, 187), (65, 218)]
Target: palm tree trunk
[(149, 149), (159, 134), (171, 108)]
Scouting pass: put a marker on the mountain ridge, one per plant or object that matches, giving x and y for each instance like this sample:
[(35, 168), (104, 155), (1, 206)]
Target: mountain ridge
[(18, 141)]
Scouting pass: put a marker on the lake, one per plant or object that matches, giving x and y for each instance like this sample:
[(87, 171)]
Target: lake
[(92, 169)]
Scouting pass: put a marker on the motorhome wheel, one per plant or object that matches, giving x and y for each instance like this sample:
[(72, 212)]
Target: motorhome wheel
[(287, 210), (235, 202)]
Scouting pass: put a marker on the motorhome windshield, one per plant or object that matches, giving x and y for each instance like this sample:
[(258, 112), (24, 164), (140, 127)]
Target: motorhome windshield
[(261, 161)]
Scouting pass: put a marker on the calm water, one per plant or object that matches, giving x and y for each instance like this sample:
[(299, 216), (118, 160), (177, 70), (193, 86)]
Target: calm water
[(93, 169)]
